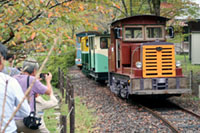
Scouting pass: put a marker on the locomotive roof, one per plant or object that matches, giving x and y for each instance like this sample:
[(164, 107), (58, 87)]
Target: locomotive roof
[(84, 33), (103, 35), (139, 16)]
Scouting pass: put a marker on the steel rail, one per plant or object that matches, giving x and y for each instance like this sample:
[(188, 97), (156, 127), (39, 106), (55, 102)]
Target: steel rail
[(167, 123), (188, 111)]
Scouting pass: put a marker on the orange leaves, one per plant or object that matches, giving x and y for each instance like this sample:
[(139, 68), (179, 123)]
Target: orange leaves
[(87, 21), (40, 48), (13, 43), (117, 6), (95, 27), (67, 3), (50, 14), (101, 9), (33, 35), (81, 7), (67, 36), (41, 1), (113, 16)]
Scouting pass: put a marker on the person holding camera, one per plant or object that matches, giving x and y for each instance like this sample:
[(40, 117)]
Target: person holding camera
[(30, 67), (11, 95)]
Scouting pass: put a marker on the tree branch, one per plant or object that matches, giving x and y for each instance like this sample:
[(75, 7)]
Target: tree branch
[(131, 9), (20, 42), (12, 35), (34, 18), (4, 2), (119, 10), (142, 3), (150, 8), (57, 4), (125, 8)]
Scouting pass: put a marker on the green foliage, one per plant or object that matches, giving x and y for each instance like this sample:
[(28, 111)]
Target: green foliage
[(56, 60), (186, 64)]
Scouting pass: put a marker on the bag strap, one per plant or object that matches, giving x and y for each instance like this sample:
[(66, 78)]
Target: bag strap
[(34, 94)]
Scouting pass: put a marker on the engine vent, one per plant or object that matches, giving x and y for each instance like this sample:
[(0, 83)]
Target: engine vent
[(158, 61)]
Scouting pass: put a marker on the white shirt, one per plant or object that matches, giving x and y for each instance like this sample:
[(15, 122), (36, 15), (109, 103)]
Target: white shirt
[(42, 104), (13, 98)]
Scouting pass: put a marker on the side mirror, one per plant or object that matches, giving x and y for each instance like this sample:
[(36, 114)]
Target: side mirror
[(171, 31), (117, 33)]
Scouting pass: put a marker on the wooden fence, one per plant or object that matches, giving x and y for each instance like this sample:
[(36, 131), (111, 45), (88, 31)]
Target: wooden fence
[(67, 91)]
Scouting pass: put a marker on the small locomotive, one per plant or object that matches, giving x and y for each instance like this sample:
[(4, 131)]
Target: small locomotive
[(95, 56), (135, 58), (78, 60), (141, 62)]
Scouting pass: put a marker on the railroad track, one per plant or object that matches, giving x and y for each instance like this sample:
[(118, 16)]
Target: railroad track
[(178, 119), (116, 115)]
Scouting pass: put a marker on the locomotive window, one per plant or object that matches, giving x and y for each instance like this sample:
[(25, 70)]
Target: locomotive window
[(154, 32), (132, 33), (104, 42), (91, 41), (87, 44)]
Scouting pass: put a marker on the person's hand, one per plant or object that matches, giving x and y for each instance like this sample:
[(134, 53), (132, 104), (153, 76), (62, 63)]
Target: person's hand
[(48, 77)]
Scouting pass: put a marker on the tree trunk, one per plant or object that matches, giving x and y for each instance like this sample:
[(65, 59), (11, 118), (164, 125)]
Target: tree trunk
[(131, 9), (156, 7)]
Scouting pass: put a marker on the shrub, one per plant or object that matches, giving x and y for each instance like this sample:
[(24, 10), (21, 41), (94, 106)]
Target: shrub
[(62, 61)]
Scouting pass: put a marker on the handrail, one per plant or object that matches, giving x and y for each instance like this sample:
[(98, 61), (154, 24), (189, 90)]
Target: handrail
[(132, 57)]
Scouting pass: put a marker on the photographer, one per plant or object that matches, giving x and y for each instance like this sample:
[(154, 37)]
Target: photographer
[(30, 67)]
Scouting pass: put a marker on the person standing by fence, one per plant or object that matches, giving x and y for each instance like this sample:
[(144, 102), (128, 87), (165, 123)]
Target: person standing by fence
[(30, 67), (10, 96)]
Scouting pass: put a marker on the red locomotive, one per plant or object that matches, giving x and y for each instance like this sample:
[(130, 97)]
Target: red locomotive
[(141, 62)]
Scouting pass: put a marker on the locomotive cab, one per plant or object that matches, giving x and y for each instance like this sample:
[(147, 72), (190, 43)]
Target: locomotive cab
[(141, 62), (82, 50), (98, 56)]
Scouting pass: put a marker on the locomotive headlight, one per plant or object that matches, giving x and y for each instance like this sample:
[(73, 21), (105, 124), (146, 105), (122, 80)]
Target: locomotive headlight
[(77, 59), (178, 63), (138, 64)]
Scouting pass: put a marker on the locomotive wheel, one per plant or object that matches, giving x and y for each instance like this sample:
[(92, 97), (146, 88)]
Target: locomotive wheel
[(124, 92)]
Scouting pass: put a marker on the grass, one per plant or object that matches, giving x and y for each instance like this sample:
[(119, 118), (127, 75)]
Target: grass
[(84, 118), (186, 64), (51, 121)]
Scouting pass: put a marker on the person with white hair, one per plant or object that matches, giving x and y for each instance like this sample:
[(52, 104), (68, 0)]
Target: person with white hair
[(30, 67)]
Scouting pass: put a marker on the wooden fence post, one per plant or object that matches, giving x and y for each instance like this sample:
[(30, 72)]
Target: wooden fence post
[(63, 122), (72, 115), (62, 83), (71, 105), (59, 84), (67, 90)]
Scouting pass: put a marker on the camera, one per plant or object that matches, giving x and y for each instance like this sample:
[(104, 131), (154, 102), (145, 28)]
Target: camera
[(42, 75)]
